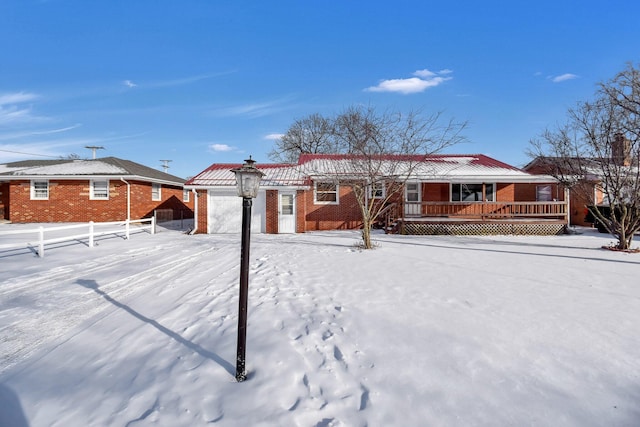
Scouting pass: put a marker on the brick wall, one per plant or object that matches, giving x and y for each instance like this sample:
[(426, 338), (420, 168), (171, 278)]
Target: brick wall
[(202, 211), (271, 220), (69, 202), (527, 192), (171, 198), (343, 216), (301, 210)]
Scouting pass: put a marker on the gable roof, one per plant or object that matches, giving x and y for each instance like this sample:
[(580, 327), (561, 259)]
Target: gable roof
[(107, 167), (434, 168), (275, 175), (576, 168)]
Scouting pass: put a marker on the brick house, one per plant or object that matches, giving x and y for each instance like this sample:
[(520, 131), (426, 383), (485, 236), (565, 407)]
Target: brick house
[(106, 189), (588, 189), (443, 193)]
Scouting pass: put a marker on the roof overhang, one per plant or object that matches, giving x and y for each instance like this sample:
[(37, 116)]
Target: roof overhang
[(88, 178)]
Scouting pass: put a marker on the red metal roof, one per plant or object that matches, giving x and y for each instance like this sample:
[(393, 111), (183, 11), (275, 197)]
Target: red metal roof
[(475, 159), (433, 167)]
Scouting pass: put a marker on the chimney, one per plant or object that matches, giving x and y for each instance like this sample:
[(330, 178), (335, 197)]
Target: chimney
[(621, 150)]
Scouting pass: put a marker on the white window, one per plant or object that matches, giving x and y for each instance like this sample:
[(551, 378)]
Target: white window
[(99, 190), (156, 191), (326, 193), (412, 192), (377, 190), (472, 192), (39, 190), (185, 196)]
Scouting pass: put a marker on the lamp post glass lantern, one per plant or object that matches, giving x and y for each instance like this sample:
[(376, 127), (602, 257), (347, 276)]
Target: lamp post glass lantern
[(247, 181)]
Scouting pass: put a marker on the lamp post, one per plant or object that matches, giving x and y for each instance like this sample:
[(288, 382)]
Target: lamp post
[(247, 181)]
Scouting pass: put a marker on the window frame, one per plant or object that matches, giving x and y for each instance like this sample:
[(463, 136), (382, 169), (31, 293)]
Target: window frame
[(539, 192), (335, 191), (156, 192), (417, 191), (488, 197), (34, 191), (377, 187), (92, 190), (185, 195)]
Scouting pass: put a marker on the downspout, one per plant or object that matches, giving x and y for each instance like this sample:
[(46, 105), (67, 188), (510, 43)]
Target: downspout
[(195, 212), (128, 199)]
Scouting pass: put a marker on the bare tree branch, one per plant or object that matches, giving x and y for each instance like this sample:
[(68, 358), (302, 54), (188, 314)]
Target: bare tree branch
[(599, 147)]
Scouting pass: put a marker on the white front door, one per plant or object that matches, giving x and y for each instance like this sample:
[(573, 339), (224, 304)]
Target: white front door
[(286, 213), (412, 198)]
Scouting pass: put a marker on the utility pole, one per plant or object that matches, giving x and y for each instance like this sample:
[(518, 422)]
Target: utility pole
[(165, 165)]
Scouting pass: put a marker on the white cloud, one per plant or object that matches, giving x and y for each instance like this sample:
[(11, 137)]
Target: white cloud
[(563, 78), (221, 147), (425, 74), (274, 136), (16, 98), (12, 113), (129, 83), (37, 133), (424, 79)]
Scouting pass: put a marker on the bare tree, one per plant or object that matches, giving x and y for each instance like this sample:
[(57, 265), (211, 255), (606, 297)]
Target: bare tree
[(599, 146), (308, 135), (382, 151)]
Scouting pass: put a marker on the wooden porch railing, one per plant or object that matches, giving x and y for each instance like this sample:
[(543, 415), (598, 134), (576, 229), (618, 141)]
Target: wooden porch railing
[(485, 210), (388, 216)]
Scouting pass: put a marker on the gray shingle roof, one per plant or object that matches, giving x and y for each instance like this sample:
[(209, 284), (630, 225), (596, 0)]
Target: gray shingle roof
[(104, 167)]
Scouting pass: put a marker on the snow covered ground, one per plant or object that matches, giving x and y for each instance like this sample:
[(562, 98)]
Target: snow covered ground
[(422, 331)]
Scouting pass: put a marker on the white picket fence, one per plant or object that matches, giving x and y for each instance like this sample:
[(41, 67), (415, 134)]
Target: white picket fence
[(93, 230)]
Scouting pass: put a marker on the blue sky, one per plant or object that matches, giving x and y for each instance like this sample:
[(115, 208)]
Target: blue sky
[(200, 82)]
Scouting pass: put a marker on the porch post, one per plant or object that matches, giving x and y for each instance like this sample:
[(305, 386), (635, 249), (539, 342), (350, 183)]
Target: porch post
[(567, 204)]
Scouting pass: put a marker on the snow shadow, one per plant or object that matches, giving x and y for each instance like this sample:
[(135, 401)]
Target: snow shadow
[(11, 413), (93, 285), (446, 245)]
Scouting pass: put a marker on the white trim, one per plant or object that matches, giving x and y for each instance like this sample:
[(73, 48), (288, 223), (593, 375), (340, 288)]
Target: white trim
[(92, 189), (419, 191), (32, 189), (88, 177), (185, 195), (372, 190), (154, 197), (292, 216)]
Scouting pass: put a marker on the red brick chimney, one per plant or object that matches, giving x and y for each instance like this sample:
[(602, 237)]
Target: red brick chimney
[(621, 150)]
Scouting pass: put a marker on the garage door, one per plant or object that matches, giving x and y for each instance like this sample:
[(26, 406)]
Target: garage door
[(225, 212)]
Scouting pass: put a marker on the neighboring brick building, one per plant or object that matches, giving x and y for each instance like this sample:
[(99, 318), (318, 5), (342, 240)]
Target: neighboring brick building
[(107, 189), (306, 197), (588, 188)]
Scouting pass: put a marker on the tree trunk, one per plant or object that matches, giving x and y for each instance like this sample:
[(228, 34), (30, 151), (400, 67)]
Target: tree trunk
[(366, 234), (624, 240)]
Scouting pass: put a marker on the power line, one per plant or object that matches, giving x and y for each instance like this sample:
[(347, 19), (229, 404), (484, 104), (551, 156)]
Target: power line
[(28, 154)]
